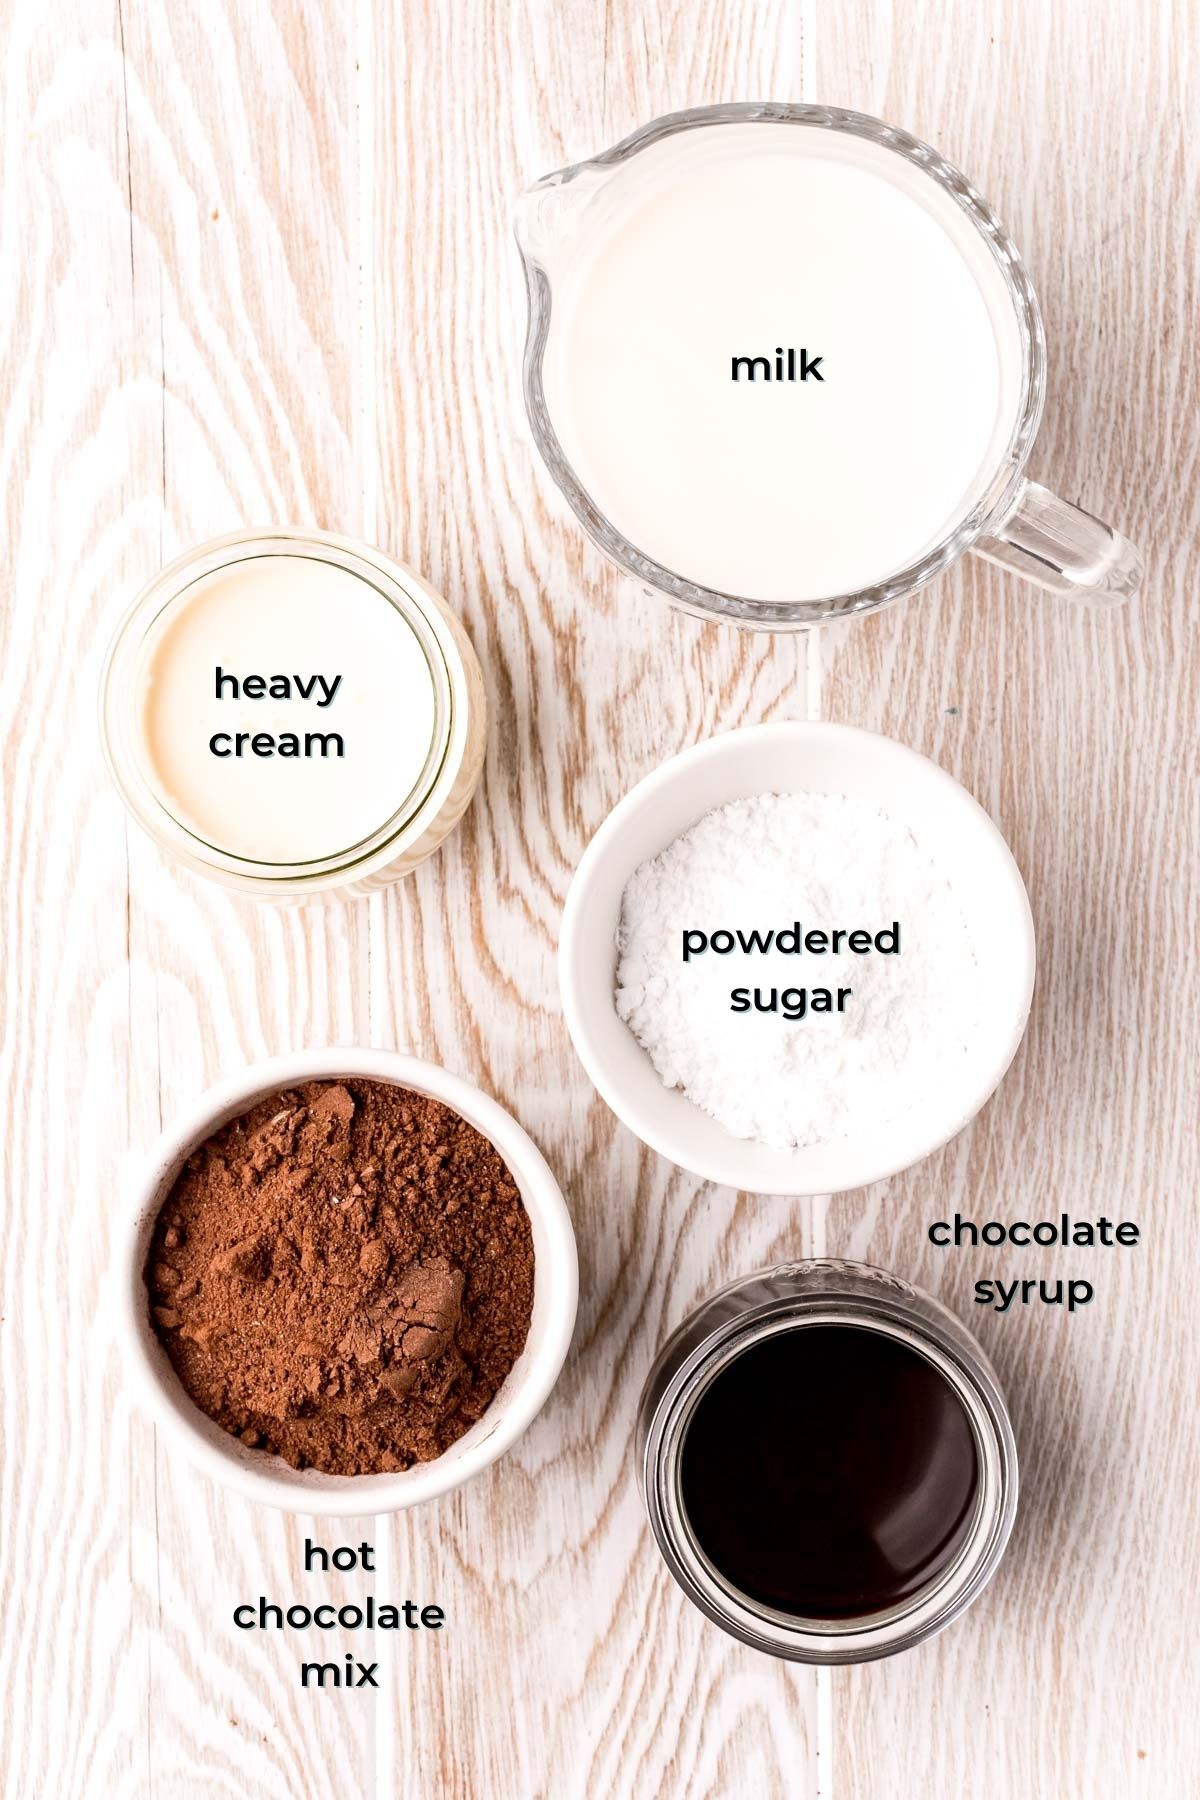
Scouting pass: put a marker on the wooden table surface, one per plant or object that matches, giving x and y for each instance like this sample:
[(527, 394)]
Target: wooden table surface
[(257, 267)]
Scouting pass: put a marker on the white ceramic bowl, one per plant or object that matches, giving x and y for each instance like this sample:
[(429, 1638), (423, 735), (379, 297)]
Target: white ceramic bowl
[(786, 758), (269, 1478)]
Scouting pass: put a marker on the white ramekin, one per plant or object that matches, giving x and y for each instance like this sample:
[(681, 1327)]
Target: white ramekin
[(269, 1478), (790, 758)]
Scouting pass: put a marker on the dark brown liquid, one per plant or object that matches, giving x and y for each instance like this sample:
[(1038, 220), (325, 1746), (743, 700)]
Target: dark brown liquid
[(829, 1472)]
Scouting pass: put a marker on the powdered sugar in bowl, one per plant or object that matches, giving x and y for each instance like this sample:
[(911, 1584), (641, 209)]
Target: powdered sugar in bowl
[(797, 958)]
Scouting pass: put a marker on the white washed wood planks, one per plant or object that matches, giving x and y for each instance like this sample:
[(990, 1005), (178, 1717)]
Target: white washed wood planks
[(612, 1683), (243, 185), (182, 276), (1077, 1675), (258, 266)]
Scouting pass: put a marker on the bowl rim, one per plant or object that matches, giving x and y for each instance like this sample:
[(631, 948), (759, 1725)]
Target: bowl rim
[(314, 1492), (572, 952)]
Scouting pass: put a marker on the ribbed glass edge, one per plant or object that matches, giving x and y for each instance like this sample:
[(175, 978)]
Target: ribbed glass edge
[(722, 1329), (118, 705), (996, 500)]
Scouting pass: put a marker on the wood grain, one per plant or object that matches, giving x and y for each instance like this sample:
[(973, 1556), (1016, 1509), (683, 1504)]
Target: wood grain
[(1078, 731), (242, 176), (258, 266), (183, 281), (626, 1691)]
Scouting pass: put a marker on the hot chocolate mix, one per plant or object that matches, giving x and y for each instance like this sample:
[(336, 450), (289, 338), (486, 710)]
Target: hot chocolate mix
[(344, 1276)]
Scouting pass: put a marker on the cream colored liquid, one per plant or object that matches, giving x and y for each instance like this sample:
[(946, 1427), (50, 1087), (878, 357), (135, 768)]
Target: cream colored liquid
[(285, 619), (741, 240)]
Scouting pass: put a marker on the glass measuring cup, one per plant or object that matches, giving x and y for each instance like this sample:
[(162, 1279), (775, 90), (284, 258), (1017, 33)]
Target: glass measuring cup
[(1011, 521)]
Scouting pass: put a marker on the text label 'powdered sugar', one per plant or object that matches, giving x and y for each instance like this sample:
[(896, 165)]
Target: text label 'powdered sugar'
[(743, 912)]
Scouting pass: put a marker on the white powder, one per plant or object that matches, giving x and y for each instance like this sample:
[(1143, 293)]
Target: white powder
[(829, 863)]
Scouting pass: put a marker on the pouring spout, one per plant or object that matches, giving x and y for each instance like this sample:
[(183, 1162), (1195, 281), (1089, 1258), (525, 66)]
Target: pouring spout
[(550, 215)]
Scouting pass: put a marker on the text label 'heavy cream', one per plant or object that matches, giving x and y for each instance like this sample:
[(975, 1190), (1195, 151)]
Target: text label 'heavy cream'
[(284, 743), (288, 709)]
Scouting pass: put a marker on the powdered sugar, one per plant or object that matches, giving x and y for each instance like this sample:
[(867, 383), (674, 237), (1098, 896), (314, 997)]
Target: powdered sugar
[(825, 863)]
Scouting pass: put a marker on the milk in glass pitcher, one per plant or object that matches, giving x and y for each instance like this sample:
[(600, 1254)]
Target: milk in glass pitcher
[(786, 365)]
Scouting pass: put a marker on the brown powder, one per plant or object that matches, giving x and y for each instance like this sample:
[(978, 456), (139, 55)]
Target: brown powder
[(344, 1276)]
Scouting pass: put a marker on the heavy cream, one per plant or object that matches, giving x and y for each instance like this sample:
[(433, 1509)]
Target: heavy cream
[(782, 361), (287, 709)]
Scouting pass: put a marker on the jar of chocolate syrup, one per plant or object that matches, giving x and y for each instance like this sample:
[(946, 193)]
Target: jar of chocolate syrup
[(827, 1462)]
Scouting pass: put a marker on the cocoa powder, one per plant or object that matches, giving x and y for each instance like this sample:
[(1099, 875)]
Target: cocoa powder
[(343, 1276)]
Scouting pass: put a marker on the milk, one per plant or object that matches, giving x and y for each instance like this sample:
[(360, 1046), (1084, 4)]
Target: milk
[(287, 709), (781, 360)]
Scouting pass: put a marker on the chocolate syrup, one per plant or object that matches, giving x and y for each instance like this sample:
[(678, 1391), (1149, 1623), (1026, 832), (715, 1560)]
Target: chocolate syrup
[(829, 1472)]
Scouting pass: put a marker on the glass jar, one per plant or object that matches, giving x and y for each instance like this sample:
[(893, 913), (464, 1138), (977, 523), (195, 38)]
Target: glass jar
[(792, 1297), (421, 816)]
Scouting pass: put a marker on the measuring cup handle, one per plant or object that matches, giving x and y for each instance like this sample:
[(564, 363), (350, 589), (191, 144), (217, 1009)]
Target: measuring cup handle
[(1064, 549)]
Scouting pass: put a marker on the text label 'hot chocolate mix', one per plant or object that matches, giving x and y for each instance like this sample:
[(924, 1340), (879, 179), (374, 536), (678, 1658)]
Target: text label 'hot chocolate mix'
[(369, 1615)]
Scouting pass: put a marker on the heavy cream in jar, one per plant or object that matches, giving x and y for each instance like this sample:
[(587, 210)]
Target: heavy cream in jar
[(783, 363), (294, 713)]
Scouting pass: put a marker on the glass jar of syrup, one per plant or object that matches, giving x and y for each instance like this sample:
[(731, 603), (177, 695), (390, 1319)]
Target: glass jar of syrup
[(827, 1462)]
